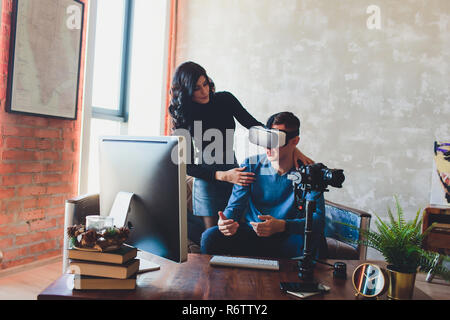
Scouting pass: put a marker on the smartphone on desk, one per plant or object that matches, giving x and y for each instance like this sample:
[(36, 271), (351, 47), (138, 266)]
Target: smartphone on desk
[(302, 287)]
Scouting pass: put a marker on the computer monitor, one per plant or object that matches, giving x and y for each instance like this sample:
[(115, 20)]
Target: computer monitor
[(152, 169)]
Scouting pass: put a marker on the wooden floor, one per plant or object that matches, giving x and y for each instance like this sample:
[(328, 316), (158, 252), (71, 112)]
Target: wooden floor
[(438, 289), (26, 284)]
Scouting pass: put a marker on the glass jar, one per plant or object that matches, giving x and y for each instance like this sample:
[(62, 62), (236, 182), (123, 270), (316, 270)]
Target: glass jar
[(99, 223)]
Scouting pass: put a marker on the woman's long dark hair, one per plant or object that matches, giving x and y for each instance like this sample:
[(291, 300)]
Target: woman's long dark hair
[(183, 85)]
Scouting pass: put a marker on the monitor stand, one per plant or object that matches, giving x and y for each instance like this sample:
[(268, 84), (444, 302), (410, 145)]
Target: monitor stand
[(121, 208), (119, 211)]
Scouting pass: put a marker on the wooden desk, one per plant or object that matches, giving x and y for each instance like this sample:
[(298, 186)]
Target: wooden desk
[(197, 280)]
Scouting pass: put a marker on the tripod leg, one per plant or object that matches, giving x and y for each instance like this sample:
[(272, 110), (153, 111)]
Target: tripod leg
[(306, 264)]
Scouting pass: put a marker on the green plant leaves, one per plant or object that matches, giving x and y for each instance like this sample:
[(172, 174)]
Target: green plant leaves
[(400, 243)]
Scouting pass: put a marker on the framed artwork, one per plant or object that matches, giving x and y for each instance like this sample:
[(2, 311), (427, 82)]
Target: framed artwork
[(440, 180), (45, 53)]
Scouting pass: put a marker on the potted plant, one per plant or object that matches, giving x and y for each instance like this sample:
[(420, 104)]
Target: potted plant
[(400, 243)]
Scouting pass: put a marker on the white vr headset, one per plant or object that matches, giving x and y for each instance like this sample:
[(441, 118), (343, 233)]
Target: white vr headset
[(270, 138)]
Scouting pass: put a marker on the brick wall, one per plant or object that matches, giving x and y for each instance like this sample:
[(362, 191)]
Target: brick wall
[(39, 160)]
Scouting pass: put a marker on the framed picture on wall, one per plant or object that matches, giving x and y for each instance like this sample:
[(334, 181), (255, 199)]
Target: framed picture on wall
[(440, 180), (45, 53)]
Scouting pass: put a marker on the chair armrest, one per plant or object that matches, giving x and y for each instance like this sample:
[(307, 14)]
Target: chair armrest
[(89, 198), (359, 213), (76, 211), (337, 216), (341, 250), (82, 206)]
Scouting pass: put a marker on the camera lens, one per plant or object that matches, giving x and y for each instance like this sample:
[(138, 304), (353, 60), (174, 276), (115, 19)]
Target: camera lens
[(334, 177)]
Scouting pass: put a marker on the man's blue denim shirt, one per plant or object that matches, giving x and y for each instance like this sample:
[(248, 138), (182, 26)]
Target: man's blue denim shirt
[(271, 194)]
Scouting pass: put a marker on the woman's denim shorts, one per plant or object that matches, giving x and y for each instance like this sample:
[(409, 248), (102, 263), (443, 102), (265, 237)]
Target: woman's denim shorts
[(210, 197)]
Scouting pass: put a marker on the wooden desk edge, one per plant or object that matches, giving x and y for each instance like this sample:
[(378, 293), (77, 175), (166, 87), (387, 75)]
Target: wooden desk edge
[(59, 289)]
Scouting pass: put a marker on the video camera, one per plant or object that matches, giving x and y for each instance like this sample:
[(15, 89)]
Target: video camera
[(317, 177)]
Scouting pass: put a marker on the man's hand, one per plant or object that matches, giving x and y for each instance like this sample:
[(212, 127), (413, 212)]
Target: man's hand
[(227, 226), (269, 226)]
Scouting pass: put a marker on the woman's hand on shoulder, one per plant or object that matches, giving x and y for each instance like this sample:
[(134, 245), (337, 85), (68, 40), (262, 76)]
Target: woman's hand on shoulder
[(236, 176), (298, 155)]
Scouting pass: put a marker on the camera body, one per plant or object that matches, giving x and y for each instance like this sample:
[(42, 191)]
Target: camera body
[(317, 177)]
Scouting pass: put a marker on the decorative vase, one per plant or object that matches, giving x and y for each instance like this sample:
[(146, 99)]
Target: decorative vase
[(401, 285)]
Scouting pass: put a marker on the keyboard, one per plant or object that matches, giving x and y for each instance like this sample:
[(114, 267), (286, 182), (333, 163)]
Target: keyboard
[(240, 262)]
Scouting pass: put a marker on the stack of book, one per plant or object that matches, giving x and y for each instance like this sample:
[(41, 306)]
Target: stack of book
[(104, 270)]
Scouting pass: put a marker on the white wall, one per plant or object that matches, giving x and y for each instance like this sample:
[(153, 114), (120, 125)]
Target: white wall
[(370, 101)]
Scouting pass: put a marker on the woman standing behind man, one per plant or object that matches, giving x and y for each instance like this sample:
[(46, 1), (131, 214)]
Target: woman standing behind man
[(195, 104)]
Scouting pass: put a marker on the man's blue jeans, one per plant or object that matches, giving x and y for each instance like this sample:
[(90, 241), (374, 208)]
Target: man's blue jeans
[(245, 242)]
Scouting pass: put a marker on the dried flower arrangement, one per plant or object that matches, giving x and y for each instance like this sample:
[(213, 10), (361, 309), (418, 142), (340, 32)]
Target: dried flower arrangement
[(106, 240)]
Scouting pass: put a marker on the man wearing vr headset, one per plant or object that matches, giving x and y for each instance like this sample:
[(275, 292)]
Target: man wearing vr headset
[(272, 226)]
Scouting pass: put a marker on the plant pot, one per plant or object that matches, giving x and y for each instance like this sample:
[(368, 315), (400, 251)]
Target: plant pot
[(401, 285)]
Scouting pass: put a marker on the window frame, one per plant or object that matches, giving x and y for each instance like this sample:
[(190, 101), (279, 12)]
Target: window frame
[(122, 113)]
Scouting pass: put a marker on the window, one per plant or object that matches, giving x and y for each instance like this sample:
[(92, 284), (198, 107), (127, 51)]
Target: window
[(111, 60), (99, 127), (125, 76)]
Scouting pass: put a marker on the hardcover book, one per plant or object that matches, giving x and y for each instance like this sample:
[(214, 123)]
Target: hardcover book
[(119, 256), (105, 270), (82, 282)]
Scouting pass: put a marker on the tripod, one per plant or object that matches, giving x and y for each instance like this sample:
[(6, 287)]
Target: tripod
[(306, 262), (310, 178)]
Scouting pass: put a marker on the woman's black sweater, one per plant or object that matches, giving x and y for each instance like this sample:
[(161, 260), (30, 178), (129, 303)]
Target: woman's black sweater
[(217, 120)]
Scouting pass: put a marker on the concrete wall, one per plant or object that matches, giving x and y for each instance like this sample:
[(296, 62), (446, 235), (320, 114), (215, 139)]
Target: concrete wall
[(371, 101)]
